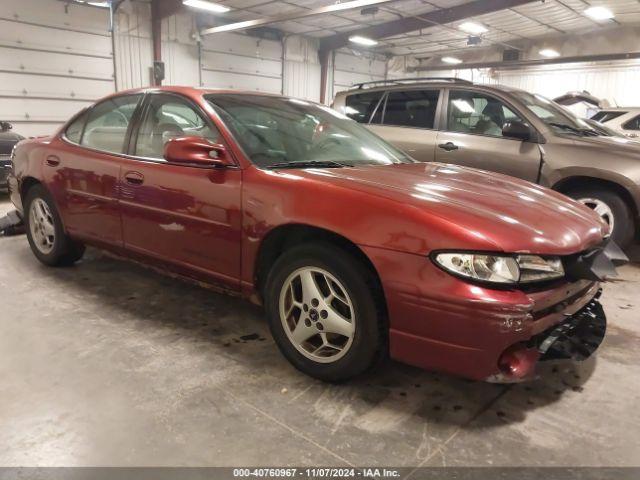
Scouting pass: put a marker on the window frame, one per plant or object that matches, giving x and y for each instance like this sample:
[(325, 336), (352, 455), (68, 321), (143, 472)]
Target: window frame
[(134, 126), (144, 106), (444, 119), (436, 119)]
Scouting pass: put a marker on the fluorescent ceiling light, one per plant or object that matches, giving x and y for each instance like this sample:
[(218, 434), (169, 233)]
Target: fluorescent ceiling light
[(452, 60), (599, 13), (204, 5), (549, 53), (369, 42), (473, 28)]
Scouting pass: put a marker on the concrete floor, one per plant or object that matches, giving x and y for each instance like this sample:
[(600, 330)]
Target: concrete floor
[(108, 363)]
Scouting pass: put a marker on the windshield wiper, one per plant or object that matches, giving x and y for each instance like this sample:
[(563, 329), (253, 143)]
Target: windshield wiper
[(308, 164), (578, 131)]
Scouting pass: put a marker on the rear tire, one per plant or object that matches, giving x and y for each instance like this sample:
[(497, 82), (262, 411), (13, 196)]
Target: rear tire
[(339, 298), (609, 204), (45, 232)]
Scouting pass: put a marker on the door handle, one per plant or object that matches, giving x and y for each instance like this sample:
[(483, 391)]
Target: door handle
[(52, 161), (449, 146), (134, 178)]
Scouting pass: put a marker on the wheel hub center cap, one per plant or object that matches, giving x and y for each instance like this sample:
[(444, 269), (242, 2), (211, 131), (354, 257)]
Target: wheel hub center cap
[(313, 315)]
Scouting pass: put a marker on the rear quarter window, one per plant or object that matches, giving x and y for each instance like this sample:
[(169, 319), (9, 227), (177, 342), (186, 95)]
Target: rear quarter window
[(633, 124), (606, 116), (74, 131)]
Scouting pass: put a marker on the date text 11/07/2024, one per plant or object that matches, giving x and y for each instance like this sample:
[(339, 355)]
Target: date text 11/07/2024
[(316, 472)]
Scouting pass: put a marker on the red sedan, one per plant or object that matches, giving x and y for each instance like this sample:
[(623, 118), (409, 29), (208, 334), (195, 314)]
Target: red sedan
[(355, 250)]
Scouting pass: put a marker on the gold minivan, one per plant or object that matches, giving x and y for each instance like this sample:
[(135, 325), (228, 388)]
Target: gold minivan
[(505, 130)]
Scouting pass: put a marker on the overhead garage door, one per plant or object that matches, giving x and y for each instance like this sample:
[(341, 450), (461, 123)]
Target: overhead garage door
[(55, 58)]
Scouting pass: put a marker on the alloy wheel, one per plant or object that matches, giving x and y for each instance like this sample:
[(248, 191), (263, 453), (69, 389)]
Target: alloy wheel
[(317, 314), (602, 209), (41, 225)]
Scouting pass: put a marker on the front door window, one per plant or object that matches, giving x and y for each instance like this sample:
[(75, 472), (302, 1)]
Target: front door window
[(167, 117), (478, 113)]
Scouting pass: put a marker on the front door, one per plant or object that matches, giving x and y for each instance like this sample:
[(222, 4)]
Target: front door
[(473, 137), (183, 215), (407, 121), (84, 168)]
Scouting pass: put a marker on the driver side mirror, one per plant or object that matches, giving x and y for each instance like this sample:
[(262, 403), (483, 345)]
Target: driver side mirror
[(197, 152), (518, 130), (5, 126)]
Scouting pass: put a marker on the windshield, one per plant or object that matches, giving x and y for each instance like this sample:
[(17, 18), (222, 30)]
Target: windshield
[(278, 132), (552, 114)]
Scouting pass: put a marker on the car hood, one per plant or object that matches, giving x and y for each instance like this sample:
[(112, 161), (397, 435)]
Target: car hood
[(612, 145), (488, 210)]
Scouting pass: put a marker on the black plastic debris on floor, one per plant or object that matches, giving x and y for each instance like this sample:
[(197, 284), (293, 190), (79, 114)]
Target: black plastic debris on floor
[(11, 224)]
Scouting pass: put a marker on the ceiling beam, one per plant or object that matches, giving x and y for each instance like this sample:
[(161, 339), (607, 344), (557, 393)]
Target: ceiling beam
[(425, 20), (259, 22)]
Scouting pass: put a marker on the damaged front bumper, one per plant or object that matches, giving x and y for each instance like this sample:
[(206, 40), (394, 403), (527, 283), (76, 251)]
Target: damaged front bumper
[(576, 338)]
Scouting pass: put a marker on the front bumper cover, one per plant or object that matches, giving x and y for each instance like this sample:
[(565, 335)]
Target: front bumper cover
[(576, 338)]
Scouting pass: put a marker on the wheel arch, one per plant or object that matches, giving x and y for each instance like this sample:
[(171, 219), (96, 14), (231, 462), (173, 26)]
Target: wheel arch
[(283, 237), (581, 181), (26, 184)]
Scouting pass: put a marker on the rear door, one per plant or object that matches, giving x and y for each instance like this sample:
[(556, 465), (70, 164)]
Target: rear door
[(82, 169), (407, 119), (472, 136)]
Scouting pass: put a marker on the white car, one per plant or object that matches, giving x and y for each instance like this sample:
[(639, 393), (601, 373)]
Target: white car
[(623, 120)]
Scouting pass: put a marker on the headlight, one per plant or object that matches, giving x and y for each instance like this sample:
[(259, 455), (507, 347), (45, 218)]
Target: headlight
[(501, 269)]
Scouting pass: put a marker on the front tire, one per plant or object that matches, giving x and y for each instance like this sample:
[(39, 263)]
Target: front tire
[(612, 209), (324, 311), (45, 232)]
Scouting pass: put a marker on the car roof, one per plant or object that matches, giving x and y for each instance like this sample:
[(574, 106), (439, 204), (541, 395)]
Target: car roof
[(618, 109), (188, 90), (408, 83)]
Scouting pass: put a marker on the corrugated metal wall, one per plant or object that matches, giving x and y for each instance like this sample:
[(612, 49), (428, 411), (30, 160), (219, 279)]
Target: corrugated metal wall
[(355, 67), (222, 60), (615, 82), (55, 58), (301, 68)]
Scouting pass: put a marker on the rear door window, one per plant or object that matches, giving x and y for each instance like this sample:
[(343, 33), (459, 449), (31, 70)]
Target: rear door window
[(361, 106), (411, 108), (108, 122), (606, 116)]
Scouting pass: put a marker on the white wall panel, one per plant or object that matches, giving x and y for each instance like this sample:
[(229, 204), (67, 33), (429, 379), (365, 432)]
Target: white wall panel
[(55, 59)]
